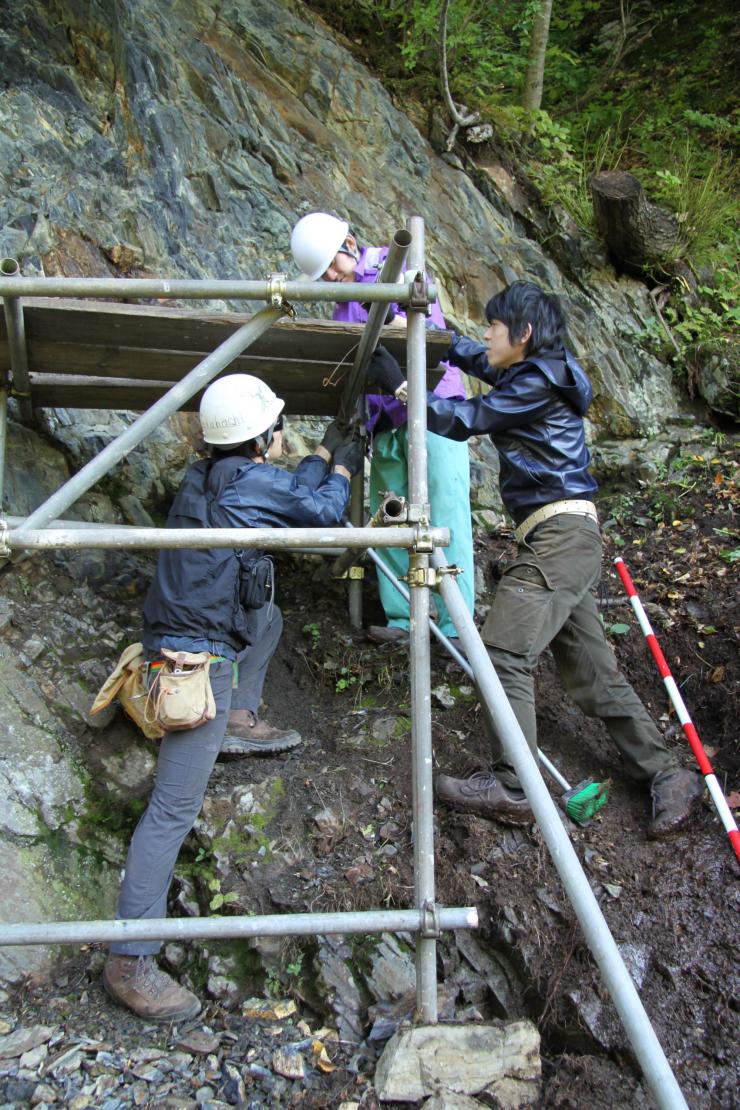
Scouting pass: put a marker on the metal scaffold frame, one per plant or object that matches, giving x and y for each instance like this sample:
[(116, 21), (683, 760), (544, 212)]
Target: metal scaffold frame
[(43, 528)]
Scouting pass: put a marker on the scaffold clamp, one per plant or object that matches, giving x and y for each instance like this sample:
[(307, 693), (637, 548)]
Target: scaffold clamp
[(418, 295), (430, 927), (5, 551), (276, 293), (423, 538)]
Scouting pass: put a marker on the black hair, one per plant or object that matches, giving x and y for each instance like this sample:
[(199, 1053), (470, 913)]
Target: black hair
[(523, 303)]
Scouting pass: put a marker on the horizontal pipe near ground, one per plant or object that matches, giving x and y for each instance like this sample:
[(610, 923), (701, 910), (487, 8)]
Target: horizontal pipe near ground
[(263, 539), (273, 925)]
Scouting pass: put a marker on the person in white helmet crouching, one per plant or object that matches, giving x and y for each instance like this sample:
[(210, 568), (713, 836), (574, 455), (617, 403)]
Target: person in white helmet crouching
[(219, 601)]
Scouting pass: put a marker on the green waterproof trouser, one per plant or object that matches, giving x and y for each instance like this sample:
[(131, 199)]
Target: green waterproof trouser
[(546, 597), (449, 497)]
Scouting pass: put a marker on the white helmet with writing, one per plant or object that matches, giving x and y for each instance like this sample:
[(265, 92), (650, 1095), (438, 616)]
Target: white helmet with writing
[(238, 408)]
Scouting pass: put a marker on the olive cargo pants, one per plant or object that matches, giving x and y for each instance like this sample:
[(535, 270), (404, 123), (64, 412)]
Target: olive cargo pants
[(546, 598)]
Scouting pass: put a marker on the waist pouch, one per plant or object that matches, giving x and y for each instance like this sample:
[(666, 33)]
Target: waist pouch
[(256, 581), (180, 695), (127, 683)]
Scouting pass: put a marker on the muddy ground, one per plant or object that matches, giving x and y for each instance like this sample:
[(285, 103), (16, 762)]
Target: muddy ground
[(672, 906)]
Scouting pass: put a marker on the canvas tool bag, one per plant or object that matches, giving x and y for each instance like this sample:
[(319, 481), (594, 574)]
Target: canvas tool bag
[(180, 695), (127, 682)]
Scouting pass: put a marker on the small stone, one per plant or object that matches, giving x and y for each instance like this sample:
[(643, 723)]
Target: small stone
[(43, 1093), (24, 1039), (33, 1059), (199, 1042), (267, 1010), (289, 1063), (79, 1102)]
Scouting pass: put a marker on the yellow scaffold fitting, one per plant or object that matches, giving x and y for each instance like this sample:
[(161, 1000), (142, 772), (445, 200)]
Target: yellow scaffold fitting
[(429, 576), (276, 293)]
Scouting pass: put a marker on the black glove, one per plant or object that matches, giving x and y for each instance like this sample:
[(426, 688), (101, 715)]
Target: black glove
[(335, 434), (351, 453), (384, 370)]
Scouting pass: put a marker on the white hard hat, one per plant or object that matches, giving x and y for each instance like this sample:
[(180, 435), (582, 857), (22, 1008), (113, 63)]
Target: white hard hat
[(237, 408), (315, 240)]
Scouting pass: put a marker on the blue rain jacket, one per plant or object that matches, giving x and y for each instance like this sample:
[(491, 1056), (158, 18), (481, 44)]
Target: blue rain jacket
[(534, 416), (195, 593)]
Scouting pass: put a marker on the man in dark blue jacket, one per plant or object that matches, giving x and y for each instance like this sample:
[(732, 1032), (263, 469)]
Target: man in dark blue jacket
[(534, 416), (199, 602)]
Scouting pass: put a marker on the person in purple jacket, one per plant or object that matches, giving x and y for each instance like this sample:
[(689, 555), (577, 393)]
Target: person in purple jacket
[(324, 247)]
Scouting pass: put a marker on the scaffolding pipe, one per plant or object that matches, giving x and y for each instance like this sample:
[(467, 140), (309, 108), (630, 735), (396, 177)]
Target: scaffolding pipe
[(200, 289), (3, 435), (173, 400), (421, 696), (450, 648), (356, 514), (263, 539), (16, 330), (268, 925), (391, 272), (645, 1044)]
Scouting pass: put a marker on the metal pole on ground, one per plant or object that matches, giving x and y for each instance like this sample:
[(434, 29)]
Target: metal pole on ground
[(421, 696), (275, 925), (173, 400), (645, 1044)]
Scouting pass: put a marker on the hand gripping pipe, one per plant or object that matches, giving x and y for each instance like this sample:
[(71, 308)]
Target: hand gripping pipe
[(645, 1044), (720, 802)]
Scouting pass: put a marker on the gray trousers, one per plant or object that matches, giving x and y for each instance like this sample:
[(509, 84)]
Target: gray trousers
[(547, 598), (184, 766)]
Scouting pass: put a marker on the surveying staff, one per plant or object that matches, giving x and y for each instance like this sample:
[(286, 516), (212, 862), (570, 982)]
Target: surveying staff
[(534, 416), (196, 603), (324, 247)]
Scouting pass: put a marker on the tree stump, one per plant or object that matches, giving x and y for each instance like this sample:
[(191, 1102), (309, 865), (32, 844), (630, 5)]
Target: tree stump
[(639, 234)]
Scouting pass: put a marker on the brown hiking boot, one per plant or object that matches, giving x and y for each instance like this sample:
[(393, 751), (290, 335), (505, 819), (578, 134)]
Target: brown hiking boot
[(138, 983), (484, 795), (676, 794), (247, 735), (387, 634)]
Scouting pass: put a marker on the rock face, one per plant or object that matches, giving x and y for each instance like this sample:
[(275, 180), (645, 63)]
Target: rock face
[(186, 141)]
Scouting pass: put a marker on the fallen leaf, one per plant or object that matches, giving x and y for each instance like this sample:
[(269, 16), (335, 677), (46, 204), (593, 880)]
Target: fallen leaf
[(718, 674)]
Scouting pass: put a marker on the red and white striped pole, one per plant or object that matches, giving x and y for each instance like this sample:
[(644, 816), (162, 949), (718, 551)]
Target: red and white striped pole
[(692, 735)]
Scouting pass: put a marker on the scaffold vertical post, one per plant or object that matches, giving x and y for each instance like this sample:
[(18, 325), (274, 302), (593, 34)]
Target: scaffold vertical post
[(421, 699)]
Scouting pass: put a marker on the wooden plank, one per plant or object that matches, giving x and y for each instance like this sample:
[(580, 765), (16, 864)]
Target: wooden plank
[(138, 396), (124, 356), (146, 327), (135, 395)]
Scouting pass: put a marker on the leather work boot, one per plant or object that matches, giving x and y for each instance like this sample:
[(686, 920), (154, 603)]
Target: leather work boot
[(138, 983), (387, 634), (485, 796), (247, 735), (676, 794)]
